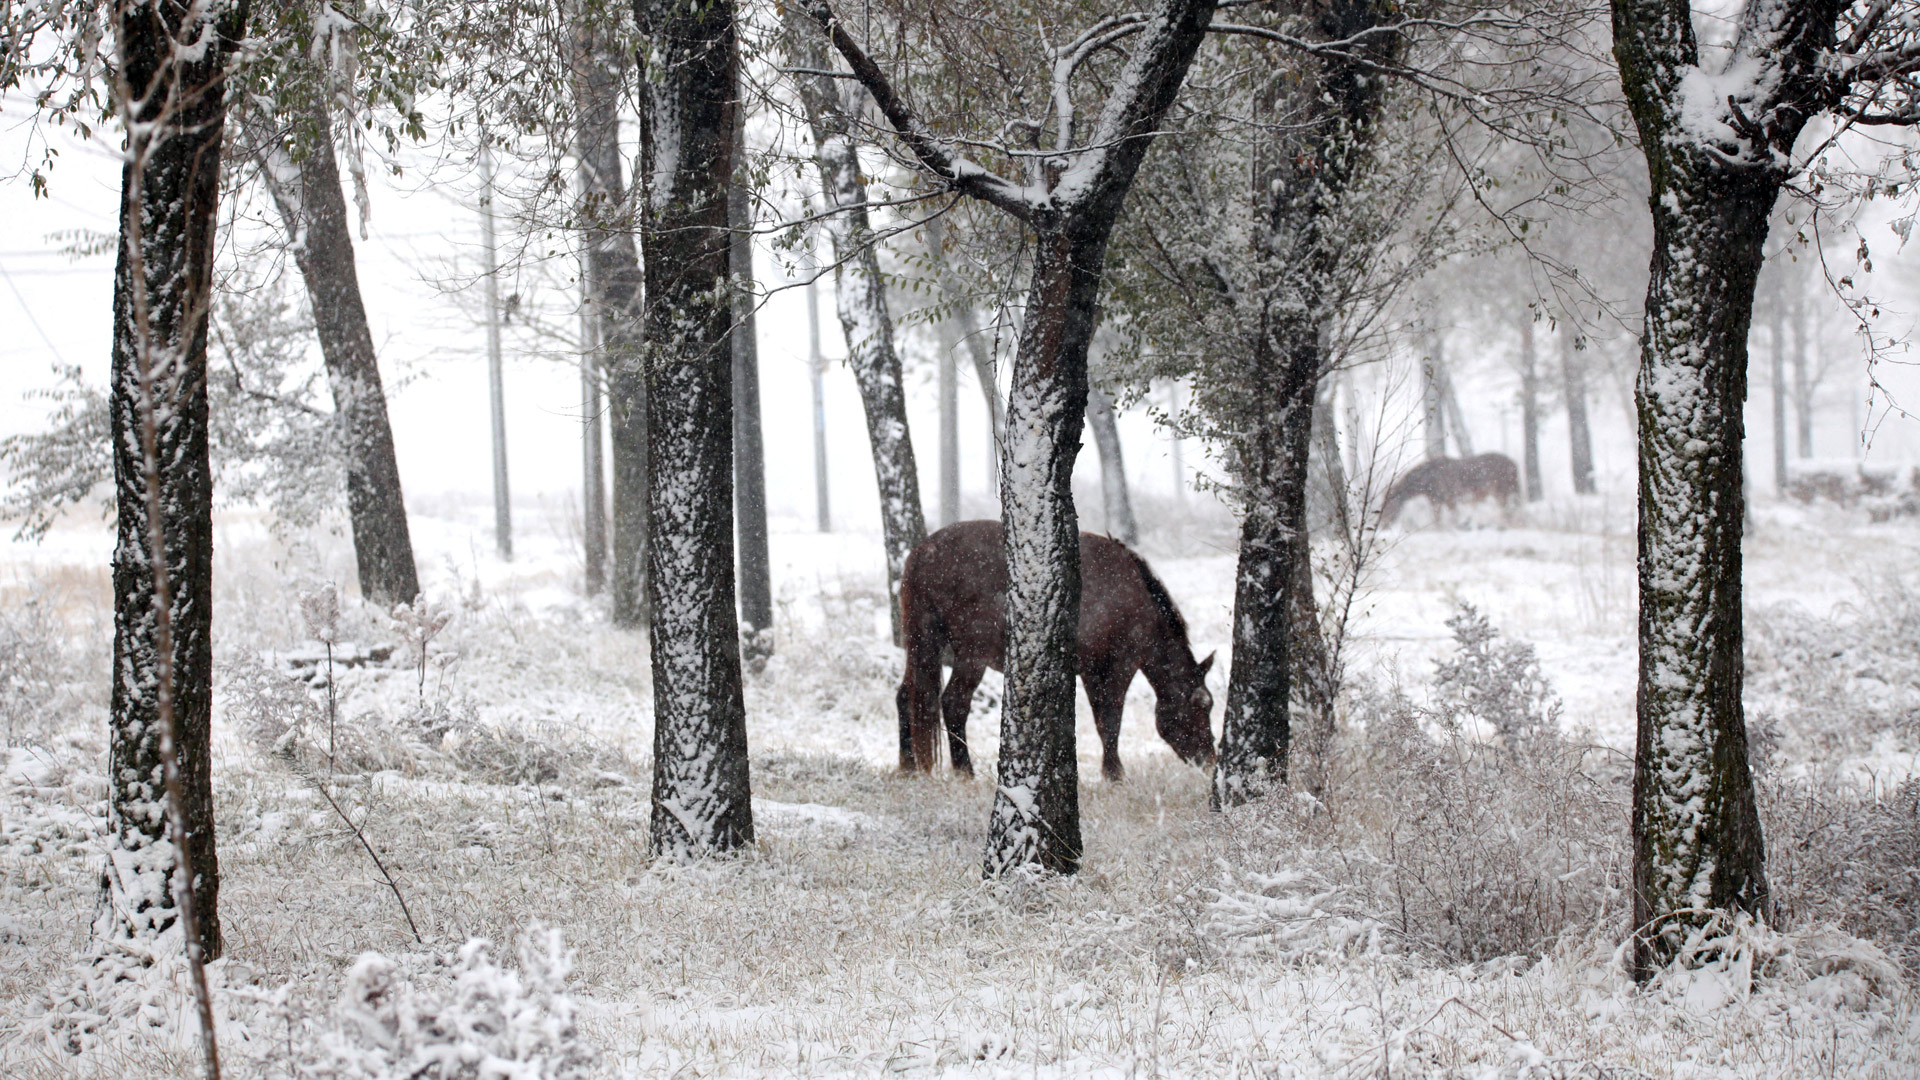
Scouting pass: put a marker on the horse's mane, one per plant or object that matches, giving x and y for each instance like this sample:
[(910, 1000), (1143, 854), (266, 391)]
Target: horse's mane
[(1158, 594)]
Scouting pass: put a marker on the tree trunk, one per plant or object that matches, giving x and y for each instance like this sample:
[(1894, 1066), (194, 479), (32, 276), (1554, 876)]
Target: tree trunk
[(1530, 410), (496, 374), (1695, 829), (1573, 378), (1036, 805), (701, 794), (749, 454), (1276, 627), (1456, 419), (1255, 730), (1433, 409), (1035, 823), (160, 724), (315, 217), (1117, 506), (593, 488), (961, 318), (860, 293), (816, 378), (1803, 383), (1777, 337), (949, 378), (1175, 450), (613, 275)]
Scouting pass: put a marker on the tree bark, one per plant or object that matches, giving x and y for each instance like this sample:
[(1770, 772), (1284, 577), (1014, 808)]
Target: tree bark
[(1530, 409), (1573, 380), (160, 724), (613, 275), (860, 294), (1114, 501), (1714, 176), (304, 181), (749, 453), (701, 795)]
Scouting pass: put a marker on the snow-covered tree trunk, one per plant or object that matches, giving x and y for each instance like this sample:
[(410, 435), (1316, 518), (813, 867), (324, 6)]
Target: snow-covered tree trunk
[(701, 797), (1036, 805), (1529, 410), (1035, 823), (1113, 468), (1303, 178), (1717, 139), (305, 184), (1271, 467), (749, 452), (860, 294), (613, 276), (171, 82), (1573, 384)]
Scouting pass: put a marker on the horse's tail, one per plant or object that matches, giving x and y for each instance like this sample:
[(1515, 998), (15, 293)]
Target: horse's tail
[(918, 699)]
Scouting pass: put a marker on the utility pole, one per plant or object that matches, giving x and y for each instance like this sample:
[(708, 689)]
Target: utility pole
[(816, 375), (502, 508)]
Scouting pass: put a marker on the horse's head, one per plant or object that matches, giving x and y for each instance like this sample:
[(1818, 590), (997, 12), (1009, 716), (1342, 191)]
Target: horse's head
[(1184, 714)]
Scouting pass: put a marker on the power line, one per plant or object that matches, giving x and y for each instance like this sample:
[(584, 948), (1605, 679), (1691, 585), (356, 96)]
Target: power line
[(24, 306)]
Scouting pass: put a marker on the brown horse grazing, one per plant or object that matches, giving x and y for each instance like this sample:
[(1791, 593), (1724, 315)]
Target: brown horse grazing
[(953, 608), (1447, 482)]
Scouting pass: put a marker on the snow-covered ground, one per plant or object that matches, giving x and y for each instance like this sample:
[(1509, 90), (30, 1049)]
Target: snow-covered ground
[(859, 939)]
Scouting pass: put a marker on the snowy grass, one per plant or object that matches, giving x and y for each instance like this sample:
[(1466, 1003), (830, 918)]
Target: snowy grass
[(857, 938)]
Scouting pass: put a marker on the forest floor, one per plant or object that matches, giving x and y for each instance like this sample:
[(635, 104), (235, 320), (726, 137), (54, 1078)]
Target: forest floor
[(502, 778)]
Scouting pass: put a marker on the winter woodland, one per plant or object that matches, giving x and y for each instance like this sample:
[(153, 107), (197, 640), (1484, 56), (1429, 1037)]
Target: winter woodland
[(549, 539)]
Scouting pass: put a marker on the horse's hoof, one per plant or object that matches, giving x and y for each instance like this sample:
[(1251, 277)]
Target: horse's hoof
[(1115, 775)]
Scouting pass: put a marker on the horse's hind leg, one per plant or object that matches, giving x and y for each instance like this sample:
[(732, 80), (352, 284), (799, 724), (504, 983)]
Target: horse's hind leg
[(1108, 697), (956, 702), (918, 698)]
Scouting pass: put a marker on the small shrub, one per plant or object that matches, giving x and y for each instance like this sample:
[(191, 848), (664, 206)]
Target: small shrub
[(1493, 681), (1427, 840), (1827, 687), (492, 1022), (34, 665), (1847, 854)]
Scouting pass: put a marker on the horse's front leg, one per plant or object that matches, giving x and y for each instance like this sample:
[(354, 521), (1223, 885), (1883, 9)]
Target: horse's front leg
[(1107, 694), (956, 702)]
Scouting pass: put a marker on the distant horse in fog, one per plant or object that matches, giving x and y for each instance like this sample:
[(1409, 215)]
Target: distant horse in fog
[(953, 607), (1448, 482)]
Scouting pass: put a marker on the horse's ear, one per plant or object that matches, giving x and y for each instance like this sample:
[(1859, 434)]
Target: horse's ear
[(1206, 665)]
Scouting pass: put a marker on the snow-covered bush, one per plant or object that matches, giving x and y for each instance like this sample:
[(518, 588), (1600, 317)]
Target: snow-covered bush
[(1431, 843), (37, 662), (491, 1022), (1847, 854), (1493, 681), (1835, 686)]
